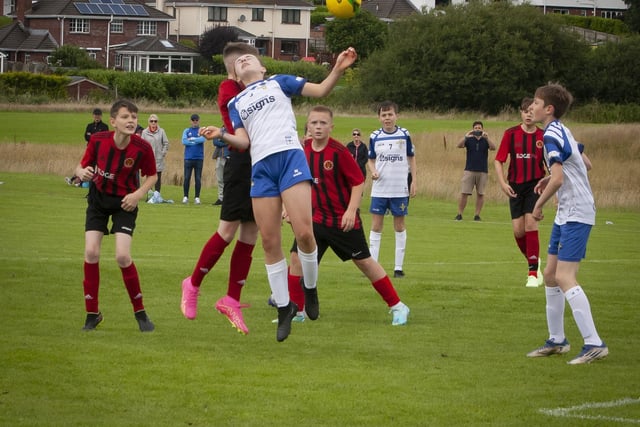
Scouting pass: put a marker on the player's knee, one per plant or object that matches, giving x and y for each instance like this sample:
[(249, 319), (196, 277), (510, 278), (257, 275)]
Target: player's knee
[(123, 260), (306, 241)]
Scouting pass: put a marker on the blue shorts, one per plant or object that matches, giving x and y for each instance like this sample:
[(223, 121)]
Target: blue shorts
[(569, 241), (277, 172), (398, 206)]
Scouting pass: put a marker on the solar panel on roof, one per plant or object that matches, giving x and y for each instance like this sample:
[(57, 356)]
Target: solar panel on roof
[(101, 7)]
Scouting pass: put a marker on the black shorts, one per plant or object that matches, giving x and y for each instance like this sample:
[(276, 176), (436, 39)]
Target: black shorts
[(349, 245), (525, 200), (102, 206), (236, 201)]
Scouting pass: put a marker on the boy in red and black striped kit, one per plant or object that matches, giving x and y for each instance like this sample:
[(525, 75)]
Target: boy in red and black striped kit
[(236, 214), (523, 145), (113, 162), (336, 194)]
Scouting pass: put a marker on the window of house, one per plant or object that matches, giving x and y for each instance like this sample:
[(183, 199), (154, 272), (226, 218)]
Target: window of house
[(290, 16), (147, 28), (289, 48), (79, 26), (217, 13), (117, 26), (257, 14)]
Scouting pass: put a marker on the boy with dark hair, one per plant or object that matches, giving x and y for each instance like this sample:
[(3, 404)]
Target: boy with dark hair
[(336, 195), (575, 216), (476, 169), (523, 146), (236, 214), (391, 161), (113, 162)]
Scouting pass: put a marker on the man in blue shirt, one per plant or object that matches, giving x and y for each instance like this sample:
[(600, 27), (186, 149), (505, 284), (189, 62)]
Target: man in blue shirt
[(476, 172), (193, 158)]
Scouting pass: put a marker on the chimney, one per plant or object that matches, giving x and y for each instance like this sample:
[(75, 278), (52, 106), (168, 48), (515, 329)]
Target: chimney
[(21, 8)]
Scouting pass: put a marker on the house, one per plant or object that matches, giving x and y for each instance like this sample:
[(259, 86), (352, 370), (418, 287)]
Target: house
[(122, 34), (388, 10), (279, 29), (81, 88), (25, 45), (601, 8)]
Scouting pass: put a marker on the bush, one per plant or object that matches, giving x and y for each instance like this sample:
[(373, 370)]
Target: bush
[(472, 57), (23, 84), (610, 26)]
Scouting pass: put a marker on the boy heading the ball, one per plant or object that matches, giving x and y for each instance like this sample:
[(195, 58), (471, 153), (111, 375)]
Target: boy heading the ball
[(236, 214), (264, 121)]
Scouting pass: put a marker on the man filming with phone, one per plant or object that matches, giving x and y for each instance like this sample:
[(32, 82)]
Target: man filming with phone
[(476, 172)]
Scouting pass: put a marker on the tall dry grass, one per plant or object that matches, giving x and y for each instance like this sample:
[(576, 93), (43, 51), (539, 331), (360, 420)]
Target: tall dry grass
[(613, 149)]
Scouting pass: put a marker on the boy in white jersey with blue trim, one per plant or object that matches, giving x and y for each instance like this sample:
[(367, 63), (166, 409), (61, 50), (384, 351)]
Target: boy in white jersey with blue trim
[(391, 160), (264, 121), (575, 216)]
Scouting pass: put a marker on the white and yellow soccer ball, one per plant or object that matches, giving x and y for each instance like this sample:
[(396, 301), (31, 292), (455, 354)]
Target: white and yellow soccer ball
[(343, 9)]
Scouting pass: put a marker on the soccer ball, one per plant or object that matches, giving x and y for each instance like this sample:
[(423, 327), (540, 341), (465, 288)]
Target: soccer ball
[(343, 9)]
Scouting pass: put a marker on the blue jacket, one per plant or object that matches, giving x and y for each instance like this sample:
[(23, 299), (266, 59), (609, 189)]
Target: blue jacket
[(193, 144), (222, 149)]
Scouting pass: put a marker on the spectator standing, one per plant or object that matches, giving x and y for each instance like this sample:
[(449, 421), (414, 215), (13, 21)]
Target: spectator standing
[(391, 160), (113, 162), (157, 137), (476, 170), (193, 158), (96, 125), (220, 155), (575, 215), (524, 148), (359, 151)]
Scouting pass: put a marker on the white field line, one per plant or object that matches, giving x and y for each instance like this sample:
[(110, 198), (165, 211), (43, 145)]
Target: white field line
[(575, 411)]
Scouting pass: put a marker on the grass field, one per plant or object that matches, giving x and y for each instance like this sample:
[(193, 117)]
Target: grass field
[(459, 361)]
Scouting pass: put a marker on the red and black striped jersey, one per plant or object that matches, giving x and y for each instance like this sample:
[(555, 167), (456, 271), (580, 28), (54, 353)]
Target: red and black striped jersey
[(334, 173), (526, 152), (117, 171)]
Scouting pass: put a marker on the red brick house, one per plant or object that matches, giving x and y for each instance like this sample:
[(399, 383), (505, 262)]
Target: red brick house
[(104, 28)]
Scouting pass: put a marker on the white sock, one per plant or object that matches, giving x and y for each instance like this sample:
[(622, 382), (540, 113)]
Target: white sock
[(401, 244), (309, 263), (374, 244), (555, 313), (579, 303), (277, 276)]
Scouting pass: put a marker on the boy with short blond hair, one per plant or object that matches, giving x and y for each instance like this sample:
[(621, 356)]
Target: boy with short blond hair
[(336, 195), (576, 214)]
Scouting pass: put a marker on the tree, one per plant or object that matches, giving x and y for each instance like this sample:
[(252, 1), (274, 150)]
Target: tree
[(632, 15), (212, 41), (364, 32), (472, 57), (73, 56)]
